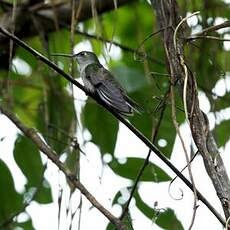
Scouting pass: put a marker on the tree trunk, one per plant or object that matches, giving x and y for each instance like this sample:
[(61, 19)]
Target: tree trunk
[(168, 18)]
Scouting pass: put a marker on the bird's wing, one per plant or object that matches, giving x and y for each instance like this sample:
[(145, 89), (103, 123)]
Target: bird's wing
[(109, 90)]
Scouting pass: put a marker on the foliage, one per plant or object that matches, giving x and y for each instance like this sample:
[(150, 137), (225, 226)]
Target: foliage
[(44, 101)]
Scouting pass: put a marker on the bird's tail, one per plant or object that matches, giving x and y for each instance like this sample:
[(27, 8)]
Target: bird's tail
[(134, 105)]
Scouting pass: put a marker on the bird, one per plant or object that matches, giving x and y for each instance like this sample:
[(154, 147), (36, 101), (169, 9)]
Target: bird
[(100, 81)]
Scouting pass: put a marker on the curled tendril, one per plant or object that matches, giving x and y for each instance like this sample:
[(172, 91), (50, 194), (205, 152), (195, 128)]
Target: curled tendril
[(170, 194), (182, 193)]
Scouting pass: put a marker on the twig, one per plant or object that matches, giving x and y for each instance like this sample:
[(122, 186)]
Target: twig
[(209, 29), (120, 118), (100, 38), (209, 37)]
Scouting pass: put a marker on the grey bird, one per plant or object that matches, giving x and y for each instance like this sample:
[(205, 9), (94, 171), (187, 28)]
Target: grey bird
[(100, 81)]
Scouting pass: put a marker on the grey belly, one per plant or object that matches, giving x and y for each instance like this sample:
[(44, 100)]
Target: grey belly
[(88, 85)]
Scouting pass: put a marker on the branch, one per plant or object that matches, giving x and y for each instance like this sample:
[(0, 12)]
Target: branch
[(145, 164), (208, 37), (52, 155), (167, 13), (120, 118), (44, 14), (209, 29)]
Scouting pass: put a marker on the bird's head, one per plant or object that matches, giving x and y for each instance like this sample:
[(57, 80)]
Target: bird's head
[(85, 58)]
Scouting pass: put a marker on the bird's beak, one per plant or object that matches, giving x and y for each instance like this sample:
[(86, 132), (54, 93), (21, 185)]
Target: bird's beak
[(63, 55)]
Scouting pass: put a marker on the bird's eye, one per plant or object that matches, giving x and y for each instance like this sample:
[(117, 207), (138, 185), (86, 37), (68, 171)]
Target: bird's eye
[(83, 53)]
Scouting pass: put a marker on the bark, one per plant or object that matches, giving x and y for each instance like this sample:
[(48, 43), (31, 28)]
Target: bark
[(168, 18)]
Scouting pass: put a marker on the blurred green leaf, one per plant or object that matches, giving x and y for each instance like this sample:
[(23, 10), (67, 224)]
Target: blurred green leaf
[(102, 125), (10, 200), (132, 166), (144, 121), (56, 117), (27, 225), (131, 79), (221, 103), (28, 159), (27, 57), (166, 125), (222, 133)]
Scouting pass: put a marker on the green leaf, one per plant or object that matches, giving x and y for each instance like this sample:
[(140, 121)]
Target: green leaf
[(27, 97), (28, 159), (132, 166), (27, 57), (167, 131), (57, 117), (222, 133), (130, 78), (102, 125), (126, 220), (144, 208), (10, 200), (165, 219), (168, 220), (143, 122), (27, 225), (220, 103)]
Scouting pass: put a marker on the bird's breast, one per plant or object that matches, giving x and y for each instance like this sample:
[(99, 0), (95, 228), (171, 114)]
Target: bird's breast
[(88, 85)]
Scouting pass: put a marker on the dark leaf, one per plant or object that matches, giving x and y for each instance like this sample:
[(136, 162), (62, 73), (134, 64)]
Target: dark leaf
[(168, 220), (222, 133), (102, 125), (10, 200), (28, 159), (132, 166)]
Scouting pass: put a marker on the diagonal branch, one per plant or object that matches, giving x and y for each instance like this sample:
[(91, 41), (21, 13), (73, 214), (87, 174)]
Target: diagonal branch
[(148, 143), (155, 130), (52, 155)]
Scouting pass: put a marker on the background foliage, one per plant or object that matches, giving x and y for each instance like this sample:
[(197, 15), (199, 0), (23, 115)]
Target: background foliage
[(43, 100)]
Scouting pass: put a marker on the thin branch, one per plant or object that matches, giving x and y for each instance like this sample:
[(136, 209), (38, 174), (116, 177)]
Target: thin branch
[(123, 47), (208, 37), (202, 34), (120, 118), (102, 39), (154, 135), (210, 29), (52, 155)]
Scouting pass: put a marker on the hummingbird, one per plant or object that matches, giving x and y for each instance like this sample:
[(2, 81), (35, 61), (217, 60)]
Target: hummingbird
[(98, 80)]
